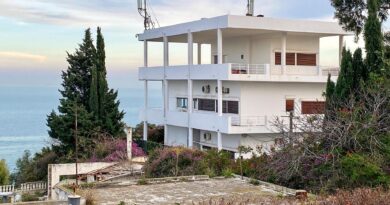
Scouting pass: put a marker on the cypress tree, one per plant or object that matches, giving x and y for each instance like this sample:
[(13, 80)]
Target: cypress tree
[(374, 38), (94, 96), (75, 95), (109, 116), (360, 72), (345, 79)]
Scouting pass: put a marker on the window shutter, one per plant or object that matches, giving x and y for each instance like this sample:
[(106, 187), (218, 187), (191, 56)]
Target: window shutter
[(313, 107), (278, 58), (306, 59), (289, 105)]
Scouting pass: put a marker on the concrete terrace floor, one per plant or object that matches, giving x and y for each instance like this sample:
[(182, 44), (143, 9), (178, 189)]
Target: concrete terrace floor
[(180, 192)]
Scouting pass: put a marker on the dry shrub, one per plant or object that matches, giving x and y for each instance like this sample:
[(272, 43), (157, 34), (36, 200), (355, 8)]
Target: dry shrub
[(88, 195), (361, 196)]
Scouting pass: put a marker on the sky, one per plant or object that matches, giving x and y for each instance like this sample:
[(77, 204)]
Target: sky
[(35, 35)]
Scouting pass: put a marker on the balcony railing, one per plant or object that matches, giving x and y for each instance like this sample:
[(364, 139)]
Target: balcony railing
[(251, 69), (249, 121), (264, 69)]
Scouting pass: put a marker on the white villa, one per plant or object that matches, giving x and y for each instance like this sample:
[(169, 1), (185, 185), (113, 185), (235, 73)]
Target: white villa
[(261, 68)]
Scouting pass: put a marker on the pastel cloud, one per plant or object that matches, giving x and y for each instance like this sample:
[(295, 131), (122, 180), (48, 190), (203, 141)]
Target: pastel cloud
[(8, 55)]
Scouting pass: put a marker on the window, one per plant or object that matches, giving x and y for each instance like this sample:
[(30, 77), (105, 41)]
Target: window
[(289, 105), (313, 107), (290, 58), (182, 103), (206, 104), (306, 59), (211, 105), (230, 107)]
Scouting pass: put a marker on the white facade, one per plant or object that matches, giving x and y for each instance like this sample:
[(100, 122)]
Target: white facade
[(260, 63)]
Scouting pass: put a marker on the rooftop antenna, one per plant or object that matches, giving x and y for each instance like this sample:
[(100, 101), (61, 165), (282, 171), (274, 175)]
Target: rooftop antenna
[(142, 10), (250, 7)]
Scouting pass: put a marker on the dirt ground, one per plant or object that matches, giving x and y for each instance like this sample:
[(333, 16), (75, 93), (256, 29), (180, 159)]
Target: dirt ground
[(179, 193)]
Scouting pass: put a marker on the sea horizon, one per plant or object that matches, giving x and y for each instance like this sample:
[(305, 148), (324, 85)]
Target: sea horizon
[(24, 109)]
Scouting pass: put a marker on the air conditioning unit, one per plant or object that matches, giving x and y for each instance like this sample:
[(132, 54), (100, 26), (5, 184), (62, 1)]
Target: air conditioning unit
[(224, 90), (207, 136), (206, 89)]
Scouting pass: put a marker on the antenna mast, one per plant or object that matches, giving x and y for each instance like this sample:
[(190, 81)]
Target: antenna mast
[(250, 7), (142, 10)]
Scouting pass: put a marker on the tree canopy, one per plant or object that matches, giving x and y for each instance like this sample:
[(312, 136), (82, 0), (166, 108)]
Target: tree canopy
[(353, 14), (85, 93)]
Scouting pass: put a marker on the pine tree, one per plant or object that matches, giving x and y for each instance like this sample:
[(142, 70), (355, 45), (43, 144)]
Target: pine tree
[(75, 95), (374, 38)]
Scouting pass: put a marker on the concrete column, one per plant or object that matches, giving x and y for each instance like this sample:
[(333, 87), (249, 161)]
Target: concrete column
[(283, 54), (341, 46), (189, 87), (219, 97), (166, 51), (219, 135), (145, 53), (199, 53), (219, 40), (145, 134), (166, 97), (129, 139), (166, 134)]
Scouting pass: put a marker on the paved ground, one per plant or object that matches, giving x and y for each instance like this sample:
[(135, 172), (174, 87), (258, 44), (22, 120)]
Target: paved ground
[(179, 193)]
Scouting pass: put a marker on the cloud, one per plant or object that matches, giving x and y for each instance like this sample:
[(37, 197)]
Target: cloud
[(7, 55)]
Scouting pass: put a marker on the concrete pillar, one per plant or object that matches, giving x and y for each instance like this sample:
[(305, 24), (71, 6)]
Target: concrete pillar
[(129, 140), (219, 135), (166, 51), (219, 49), (341, 46), (145, 134), (220, 100), (199, 53), (165, 134), (283, 53), (189, 87), (145, 53)]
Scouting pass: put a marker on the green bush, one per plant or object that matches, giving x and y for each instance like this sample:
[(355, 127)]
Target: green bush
[(218, 161), (227, 173), (254, 182), (175, 161), (4, 173), (361, 171)]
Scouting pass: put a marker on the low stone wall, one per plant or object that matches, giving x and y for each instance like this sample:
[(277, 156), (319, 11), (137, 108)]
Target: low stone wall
[(281, 189), (41, 203)]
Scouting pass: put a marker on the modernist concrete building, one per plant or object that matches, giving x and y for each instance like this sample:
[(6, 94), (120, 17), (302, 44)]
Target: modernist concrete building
[(261, 68)]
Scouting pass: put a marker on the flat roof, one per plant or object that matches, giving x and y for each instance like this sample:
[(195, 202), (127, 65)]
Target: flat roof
[(320, 28)]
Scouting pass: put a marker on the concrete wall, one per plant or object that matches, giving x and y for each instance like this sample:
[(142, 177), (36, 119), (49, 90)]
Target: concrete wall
[(268, 99), (177, 136), (229, 142), (55, 171)]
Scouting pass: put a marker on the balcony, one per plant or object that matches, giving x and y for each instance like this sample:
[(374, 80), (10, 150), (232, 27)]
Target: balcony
[(239, 72)]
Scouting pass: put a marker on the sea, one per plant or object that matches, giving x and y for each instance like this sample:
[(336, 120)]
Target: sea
[(24, 110)]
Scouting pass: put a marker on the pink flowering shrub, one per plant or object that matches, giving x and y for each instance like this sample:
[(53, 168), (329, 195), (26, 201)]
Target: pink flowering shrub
[(114, 150)]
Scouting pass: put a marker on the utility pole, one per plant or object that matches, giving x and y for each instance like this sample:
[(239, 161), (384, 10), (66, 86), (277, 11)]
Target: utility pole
[(76, 147)]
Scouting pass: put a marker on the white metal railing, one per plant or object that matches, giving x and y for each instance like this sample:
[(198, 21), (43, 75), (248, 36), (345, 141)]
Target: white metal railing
[(31, 186), (7, 189), (250, 69), (333, 71), (249, 121)]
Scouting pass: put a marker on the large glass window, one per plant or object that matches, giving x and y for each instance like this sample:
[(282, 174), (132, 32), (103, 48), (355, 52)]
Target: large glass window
[(212, 105)]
